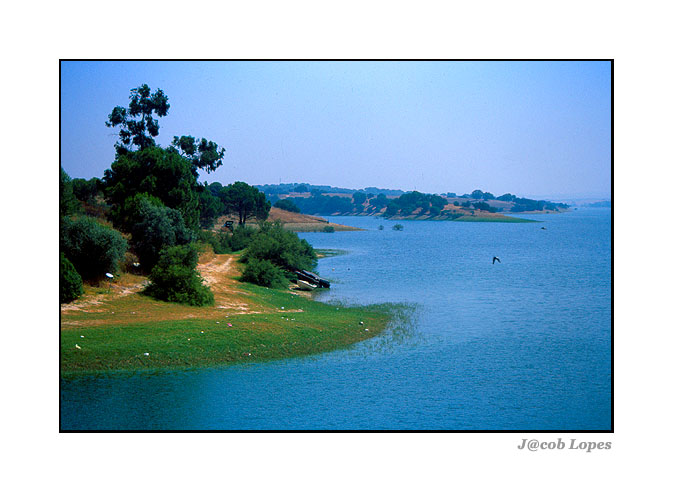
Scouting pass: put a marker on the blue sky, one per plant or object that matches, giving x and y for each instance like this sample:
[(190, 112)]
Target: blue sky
[(537, 129)]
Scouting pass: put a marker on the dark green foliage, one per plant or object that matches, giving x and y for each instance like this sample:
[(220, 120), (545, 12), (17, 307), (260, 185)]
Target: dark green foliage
[(281, 247), (477, 194), (68, 203), (137, 126), (210, 207), (328, 229), (174, 278), (130, 213), (415, 202), (398, 227), (156, 227), (204, 155), (287, 204), (264, 273), (159, 173), (70, 284), (319, 204), (246, 201), (241, 237), (86, 190), (93, 249), (392, 209), (484, 206), (226, 242), (379, 202), (359, 198), (302, 188), (456, 203)]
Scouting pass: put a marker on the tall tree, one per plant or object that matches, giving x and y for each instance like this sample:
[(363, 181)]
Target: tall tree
[(137, 125), (157, 172), (204, 155), (245, 200)]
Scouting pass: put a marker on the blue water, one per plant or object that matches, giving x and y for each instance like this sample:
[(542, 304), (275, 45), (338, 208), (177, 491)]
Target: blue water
[(524, 344)]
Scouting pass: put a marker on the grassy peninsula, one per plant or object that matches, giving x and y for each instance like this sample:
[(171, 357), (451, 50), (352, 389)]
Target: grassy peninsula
[(116, 328)]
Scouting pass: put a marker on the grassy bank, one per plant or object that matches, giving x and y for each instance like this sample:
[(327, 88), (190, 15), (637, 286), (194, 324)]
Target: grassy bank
[(123, 330)]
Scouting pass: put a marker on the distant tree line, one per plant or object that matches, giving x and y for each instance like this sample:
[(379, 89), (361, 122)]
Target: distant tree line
[(416, 202)]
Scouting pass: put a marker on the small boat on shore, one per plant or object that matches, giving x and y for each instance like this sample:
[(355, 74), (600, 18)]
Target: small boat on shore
[(304, 285), (311, 278)]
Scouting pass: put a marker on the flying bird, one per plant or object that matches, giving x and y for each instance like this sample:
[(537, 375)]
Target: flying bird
[(495, 258)]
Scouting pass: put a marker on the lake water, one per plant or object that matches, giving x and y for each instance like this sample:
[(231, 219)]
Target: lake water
[(524, 344)]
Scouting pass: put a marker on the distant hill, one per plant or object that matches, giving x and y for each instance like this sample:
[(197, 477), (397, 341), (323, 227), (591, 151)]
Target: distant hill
[(291, 221), (394, 204)]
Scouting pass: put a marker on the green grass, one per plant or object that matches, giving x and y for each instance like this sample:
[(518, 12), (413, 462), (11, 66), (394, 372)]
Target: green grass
[(292, 326), (328, 253)]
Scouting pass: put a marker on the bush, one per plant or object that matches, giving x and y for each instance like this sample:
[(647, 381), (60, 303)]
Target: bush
[(241, 237), (398, 227), (225, 242), (155, 228), (281, 247), (264, 273), (175, 279), (70, 284), (68, 203), (328, 229), (86, 190), (92, 248)]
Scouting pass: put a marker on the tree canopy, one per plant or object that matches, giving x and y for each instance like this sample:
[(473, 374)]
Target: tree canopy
[(246, 201), (157, 172), (137, 125), (204, 155)]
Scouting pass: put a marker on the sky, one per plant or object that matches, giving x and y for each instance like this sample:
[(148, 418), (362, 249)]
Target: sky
[(535, 129)]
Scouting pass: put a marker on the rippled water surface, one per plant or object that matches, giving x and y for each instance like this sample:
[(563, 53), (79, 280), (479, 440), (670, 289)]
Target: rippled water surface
[(522, 344)]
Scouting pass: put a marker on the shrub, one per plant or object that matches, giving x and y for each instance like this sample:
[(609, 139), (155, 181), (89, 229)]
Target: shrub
[(224, 242), (92, 248), (398, 227), (241, 237), (281, 247), (155, 228), (174, 278), (328, 229), (68, 203), (86, 190), (70, 284), (264, 273)]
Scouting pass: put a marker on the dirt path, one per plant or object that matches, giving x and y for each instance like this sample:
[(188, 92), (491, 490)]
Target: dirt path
[(218, 273), (122, 304)]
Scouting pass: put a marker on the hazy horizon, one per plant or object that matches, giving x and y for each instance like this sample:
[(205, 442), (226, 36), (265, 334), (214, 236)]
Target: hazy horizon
[(535, 129)]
